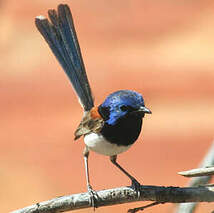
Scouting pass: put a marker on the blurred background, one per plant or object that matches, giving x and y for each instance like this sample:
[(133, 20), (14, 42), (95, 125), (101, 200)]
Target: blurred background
[(162, 49)]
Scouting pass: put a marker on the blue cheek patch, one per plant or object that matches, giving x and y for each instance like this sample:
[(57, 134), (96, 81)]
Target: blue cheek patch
[(114, 116)]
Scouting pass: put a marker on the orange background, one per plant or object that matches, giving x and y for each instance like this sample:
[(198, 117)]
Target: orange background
[(162, 49)]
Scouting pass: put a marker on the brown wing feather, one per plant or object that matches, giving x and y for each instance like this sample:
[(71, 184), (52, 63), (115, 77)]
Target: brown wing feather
[(89, 124)]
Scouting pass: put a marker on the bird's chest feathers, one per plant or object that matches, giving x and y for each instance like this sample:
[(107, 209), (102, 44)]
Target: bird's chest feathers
[(123, 132)]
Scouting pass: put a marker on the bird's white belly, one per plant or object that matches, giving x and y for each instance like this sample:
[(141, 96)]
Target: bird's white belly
[(97, 143)]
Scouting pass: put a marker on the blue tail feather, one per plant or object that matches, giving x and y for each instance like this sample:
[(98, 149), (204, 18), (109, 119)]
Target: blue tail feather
[(61, 37)]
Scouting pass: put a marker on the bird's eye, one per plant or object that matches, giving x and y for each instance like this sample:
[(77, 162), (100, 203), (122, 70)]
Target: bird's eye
[(124, 108)]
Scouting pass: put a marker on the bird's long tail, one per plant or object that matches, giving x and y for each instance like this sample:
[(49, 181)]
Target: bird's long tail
[(61, 37)]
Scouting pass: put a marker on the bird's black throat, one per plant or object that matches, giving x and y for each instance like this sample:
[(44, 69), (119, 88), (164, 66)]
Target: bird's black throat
[(125, 132)]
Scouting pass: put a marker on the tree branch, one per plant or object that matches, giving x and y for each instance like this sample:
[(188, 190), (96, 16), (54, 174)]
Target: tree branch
[(124, 195)]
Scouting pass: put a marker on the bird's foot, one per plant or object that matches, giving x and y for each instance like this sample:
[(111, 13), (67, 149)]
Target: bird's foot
[(136, 186), (93, 197)]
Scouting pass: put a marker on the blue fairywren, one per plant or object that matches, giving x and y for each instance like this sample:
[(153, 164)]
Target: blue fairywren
[(110, 128)]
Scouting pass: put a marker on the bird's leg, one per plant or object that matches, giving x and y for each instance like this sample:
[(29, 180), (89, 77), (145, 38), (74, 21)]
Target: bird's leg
[(135, 184), (91, 192)]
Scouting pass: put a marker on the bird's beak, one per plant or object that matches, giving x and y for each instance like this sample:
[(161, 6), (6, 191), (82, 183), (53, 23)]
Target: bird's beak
[(143, 109)]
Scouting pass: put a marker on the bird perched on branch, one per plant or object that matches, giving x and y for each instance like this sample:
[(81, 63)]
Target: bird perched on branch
[(110, 128)]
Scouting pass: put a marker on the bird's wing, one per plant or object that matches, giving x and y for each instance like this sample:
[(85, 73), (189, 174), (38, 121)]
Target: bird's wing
[(89, 124), (61, 37)]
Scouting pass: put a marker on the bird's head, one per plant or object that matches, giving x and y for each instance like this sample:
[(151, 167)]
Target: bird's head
[(121, 104)]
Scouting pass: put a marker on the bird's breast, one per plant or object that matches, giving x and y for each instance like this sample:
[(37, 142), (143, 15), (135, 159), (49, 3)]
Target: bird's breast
[(125, 132), (97, 143)]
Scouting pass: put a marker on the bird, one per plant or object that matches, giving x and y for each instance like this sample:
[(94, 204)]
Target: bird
[(109, 128)]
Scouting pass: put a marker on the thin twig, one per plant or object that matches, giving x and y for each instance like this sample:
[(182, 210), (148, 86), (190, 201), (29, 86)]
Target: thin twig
[(198, 172), (124, 195), (207, 162), (143, 207)]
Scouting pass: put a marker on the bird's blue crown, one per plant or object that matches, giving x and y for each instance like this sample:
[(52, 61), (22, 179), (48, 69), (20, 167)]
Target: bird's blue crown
[(119, 103)]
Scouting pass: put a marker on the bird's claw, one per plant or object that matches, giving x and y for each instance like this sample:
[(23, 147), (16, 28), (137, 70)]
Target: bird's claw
[(93, 197), (136, 186)]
